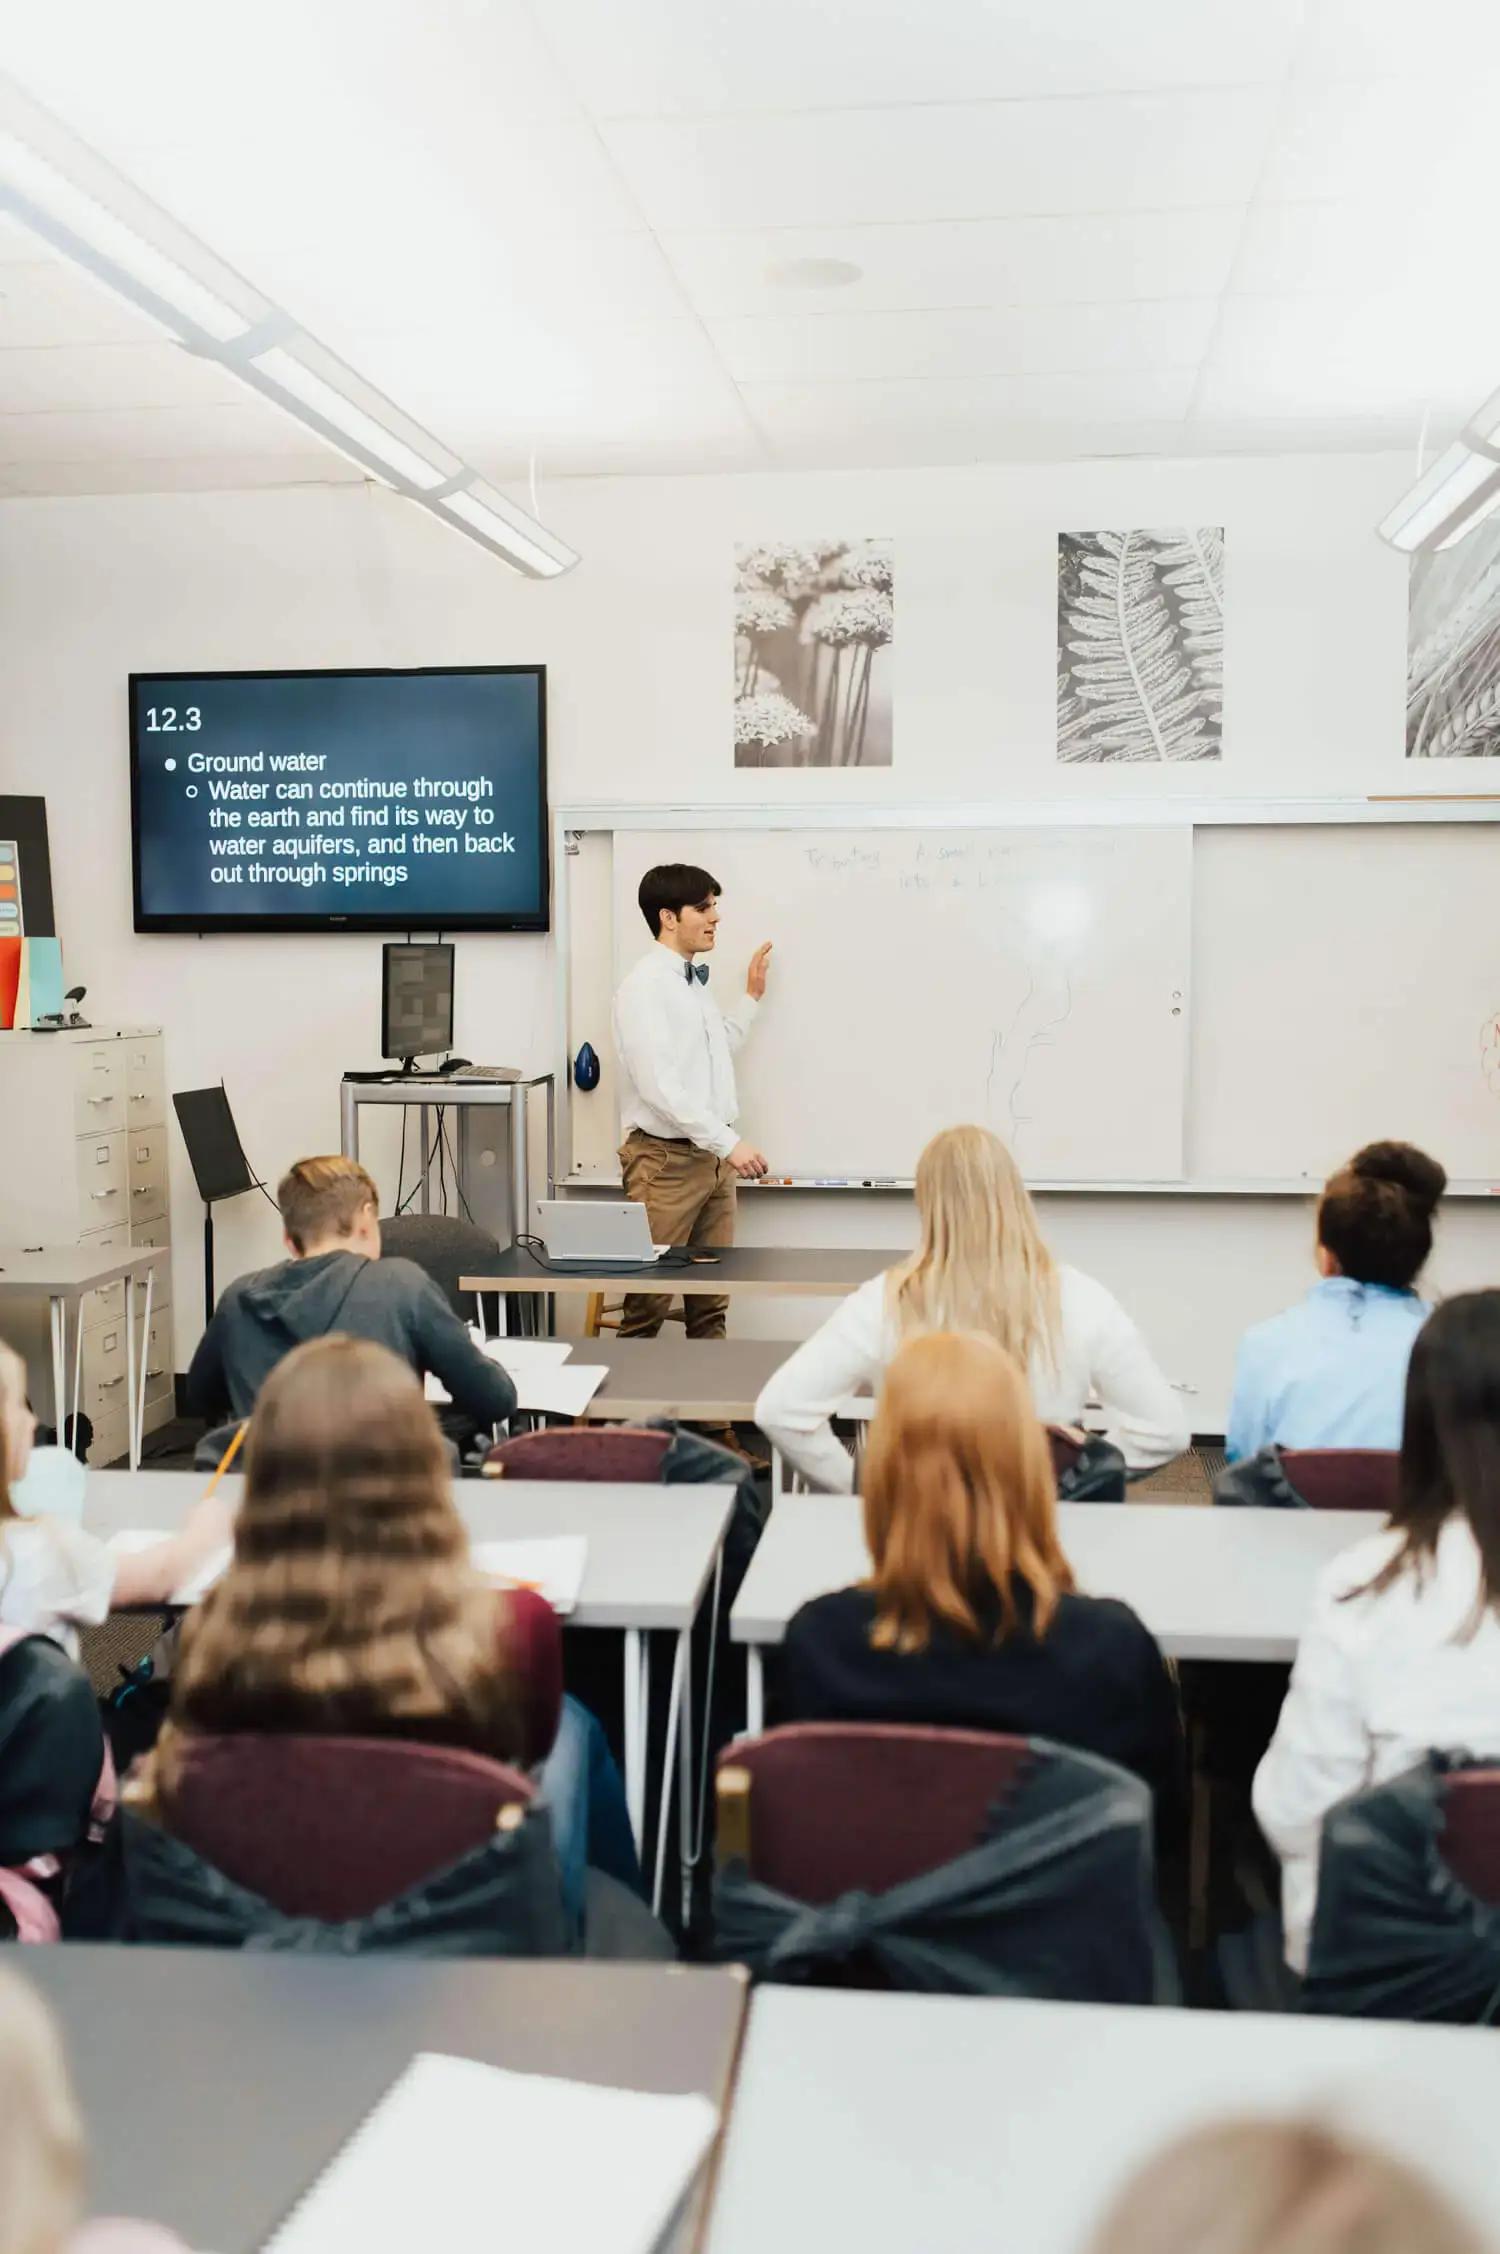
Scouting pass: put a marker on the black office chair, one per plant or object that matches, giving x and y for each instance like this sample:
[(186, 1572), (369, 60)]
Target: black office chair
[(447, 1248)]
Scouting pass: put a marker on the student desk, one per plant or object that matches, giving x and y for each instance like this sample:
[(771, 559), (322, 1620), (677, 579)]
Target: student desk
[(785, 1271), (652, 1554), (1209, 1584), (215, 2084), (894, 2122), (62, 1277), (698, 1380)]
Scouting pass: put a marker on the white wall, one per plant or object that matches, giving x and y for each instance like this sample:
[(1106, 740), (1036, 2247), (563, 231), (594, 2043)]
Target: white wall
[(637, 641)]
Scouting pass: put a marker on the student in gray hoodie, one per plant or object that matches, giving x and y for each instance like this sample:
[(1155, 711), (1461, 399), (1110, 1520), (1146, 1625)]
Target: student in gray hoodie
[(336, 1280)]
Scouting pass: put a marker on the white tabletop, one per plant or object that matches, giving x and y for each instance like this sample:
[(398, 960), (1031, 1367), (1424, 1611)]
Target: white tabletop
[(651, 1550), (1209, 1584), (69, 1269), (892, 2122)]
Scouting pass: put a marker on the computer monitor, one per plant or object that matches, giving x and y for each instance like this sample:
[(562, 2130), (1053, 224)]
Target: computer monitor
[(416, 999)]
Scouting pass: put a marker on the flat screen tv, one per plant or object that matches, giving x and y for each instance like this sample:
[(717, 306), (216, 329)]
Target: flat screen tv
[(340, 801)]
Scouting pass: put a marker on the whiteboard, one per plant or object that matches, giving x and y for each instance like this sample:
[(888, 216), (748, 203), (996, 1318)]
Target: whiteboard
[(1033, 980), (1347, 988)]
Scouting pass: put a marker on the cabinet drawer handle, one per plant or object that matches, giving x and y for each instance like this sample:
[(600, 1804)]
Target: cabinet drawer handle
[(143, 1191), (157, 1372), (140, 1099), (107, 1384), (96, 1195), (98, 1099)]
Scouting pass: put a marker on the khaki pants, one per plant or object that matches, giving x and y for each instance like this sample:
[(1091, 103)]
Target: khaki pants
[(689, 1198)]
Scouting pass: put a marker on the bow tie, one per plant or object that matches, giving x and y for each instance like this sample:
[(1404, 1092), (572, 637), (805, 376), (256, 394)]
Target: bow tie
[(696, 970)]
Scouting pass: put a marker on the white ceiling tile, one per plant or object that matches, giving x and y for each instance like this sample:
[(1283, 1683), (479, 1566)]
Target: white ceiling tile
[(1358, 138), (968, 418), (998, 341), (63, 377), (1036, 261), (159, 433), (659, 57), (1355, 357), (140, 473), (965, 162), (49, 301), (1360, 244), (1394, 39), (508, 381)]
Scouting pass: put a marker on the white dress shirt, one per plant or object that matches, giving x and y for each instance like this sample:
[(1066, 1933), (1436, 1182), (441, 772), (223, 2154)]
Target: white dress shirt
[(1379, 1681), (676, 1050), (1099, 1352)]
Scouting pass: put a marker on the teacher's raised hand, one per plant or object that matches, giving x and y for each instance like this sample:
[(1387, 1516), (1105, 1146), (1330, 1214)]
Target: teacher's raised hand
[(755, 977)]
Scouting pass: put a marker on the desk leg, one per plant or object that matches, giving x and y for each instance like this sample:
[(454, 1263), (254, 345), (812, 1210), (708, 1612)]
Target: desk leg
[(755, 1692), (57, 1317), (137, 1385), (77, 1369), (133, 1440), (348, 1119), (635, 1752), (679, 1734), (424, 1157)]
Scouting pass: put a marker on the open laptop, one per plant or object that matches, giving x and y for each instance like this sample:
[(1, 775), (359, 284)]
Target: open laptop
[(585, 1232)]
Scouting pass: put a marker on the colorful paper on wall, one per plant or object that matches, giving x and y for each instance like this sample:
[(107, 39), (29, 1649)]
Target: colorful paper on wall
[(31, 979)]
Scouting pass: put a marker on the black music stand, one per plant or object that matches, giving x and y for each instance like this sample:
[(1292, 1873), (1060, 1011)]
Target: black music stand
[(220, 1167)]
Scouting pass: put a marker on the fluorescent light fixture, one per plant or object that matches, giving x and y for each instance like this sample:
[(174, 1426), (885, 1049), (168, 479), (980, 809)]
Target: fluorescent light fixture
[(509, 531), (294, 377), (65, 192), (1446, 503), (1483, 431), (77, 223)]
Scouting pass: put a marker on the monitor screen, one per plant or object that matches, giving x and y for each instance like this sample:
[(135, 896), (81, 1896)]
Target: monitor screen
[(340, 801), (416, 1001)]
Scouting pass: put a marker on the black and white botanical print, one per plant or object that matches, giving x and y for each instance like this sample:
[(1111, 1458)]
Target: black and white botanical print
[(1140, 645), (1453, 650), (814, 624)]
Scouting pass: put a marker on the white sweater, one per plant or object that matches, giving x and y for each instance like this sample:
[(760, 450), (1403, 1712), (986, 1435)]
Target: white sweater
[(1100, 1352), (1378, 1682)]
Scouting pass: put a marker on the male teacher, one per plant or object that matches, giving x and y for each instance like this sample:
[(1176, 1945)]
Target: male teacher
[(682, 1152)]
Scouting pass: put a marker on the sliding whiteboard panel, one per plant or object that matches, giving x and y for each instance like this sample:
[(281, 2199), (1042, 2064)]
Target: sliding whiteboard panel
[(1346, 989), (1033, 980)]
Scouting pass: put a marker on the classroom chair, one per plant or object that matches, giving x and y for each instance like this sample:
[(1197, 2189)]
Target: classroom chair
[(603, 1314), (879, 1855), (582, 1451), (1343, 1478), (52, 1767), (334, 1827), (1407, 1924), (447, 1248)]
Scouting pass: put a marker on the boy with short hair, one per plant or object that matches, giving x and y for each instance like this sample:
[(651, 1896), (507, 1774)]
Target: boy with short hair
[(336, 1280)]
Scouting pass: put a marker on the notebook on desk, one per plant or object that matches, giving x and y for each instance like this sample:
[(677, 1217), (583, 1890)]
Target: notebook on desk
[(458, 2156)]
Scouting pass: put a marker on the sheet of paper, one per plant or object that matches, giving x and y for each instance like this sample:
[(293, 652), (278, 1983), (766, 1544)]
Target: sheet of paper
[(552, 1564), (522, 1357), (459, 2155), (192, 1591), (564, 1392)]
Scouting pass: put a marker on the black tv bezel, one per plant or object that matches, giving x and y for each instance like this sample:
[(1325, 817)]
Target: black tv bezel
[(384, 919)]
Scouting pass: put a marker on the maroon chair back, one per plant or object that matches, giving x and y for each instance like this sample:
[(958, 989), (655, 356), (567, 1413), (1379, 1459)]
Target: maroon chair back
[(334, 1827), (1343, 1478), (581, 1451), (1471, 1830), (838, 1805)]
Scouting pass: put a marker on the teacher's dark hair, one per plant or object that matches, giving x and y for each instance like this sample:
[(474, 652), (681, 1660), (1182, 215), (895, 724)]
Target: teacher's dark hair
[(1375, 1214), (671, 888), (1450, 1444)]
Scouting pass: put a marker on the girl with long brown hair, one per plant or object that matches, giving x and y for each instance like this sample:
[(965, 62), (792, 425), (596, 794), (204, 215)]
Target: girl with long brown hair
[(980, 1265), (352, 1606), (970, 1618), (1401, 1656)]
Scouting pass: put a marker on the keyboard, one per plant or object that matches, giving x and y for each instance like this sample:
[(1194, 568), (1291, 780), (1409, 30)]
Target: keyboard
[(500, 1072)]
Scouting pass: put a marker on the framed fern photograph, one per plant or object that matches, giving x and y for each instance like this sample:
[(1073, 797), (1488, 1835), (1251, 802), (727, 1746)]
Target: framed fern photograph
[(1140, 646), (1453, 650)]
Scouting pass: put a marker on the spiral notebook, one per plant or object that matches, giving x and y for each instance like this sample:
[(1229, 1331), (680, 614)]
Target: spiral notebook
[(459, 2156)]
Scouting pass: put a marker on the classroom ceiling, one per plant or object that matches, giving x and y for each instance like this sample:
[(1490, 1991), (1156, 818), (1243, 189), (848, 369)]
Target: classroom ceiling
[(634, 236)]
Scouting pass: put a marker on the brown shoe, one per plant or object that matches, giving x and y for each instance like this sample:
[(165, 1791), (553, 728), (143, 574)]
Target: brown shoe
[(725, 1436)]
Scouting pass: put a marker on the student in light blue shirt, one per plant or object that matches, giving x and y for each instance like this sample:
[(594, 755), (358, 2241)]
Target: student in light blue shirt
[(1331, 1373)]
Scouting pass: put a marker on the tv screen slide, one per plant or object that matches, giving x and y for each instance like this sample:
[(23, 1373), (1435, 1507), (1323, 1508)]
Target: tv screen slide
[(411, 801)]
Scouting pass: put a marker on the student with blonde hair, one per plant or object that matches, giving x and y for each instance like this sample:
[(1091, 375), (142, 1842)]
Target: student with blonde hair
[(970, 1618), (980, 1265), (1280, 2187), (42, 2145), (55, 1578)]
